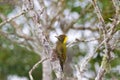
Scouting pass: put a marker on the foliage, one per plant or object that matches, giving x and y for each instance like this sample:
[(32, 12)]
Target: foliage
[(16, 60)]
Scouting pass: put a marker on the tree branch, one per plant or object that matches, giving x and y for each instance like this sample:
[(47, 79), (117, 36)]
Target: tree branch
[(35, 66)]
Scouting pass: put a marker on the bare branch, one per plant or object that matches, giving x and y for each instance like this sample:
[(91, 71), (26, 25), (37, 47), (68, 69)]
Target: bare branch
[(86, 28), (35, 66), (107, 36), (7, 36), (86, 60), (98, 12), (81, 40), (100, 74), (116, 5), (8, 20), (18, 31)]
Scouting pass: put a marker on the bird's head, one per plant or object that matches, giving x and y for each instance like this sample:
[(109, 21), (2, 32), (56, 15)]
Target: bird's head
[(62, 38)]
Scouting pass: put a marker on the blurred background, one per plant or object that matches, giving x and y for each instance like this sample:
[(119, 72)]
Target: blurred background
[(75, 18)]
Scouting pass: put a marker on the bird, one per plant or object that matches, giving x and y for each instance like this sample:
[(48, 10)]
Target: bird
[(61, 49)]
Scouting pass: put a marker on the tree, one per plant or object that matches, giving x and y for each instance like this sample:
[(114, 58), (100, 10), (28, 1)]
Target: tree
[(92, 26)]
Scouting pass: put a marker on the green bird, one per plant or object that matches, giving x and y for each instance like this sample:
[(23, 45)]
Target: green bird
[(61, 49)]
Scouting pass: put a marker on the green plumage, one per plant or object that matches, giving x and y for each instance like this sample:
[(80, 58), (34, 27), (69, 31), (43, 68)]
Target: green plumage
[(61, 49)]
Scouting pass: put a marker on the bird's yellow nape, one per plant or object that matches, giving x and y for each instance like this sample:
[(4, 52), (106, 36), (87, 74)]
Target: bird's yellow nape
[(65, 40)]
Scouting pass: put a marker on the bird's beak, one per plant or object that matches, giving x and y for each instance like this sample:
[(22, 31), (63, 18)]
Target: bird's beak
[(57, 37)]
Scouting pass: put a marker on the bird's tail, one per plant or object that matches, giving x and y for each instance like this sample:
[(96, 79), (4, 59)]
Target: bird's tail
[(61, 64)]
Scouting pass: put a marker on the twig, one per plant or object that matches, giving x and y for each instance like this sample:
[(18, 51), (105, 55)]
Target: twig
[(107, 35), (35, 66), (116, 5), (8, 20), (116, 19), (85, 28), (87, 59), (8, 37), (99, 15), (18, 31), (100, 74), (81, 40), (79, 76), (98, 12)]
